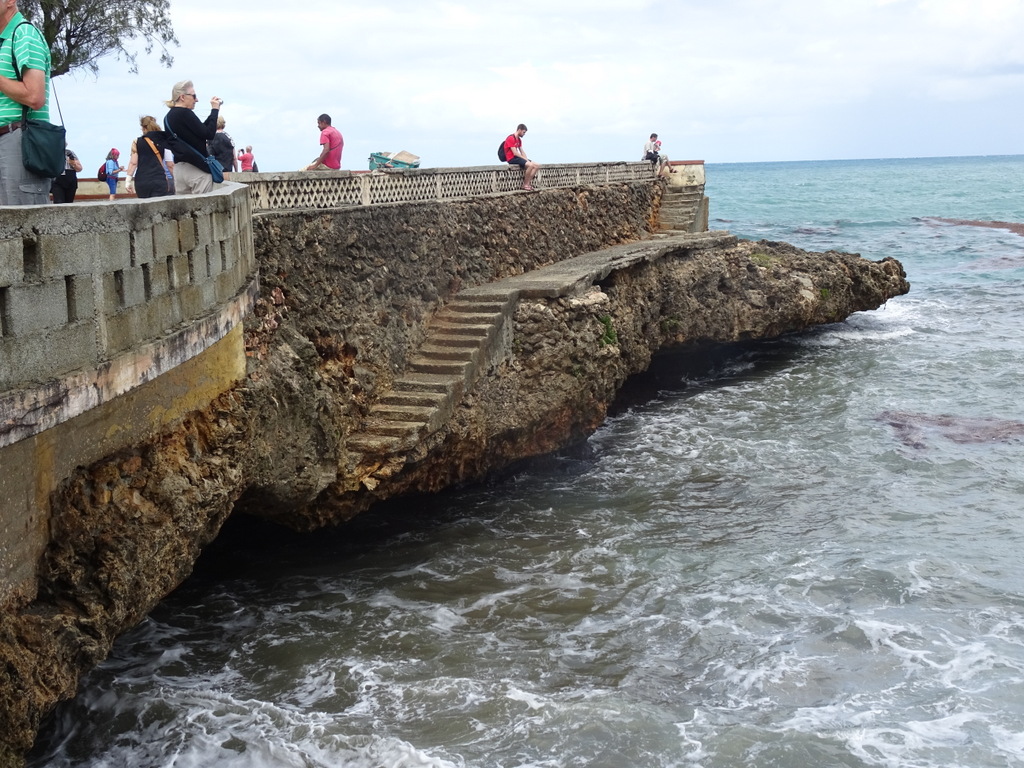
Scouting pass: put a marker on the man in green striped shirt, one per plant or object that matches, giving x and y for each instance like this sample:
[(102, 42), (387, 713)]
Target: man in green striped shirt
[(20, 41)]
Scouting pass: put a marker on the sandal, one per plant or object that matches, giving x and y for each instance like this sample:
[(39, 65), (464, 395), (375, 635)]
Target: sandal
[(528, 188)]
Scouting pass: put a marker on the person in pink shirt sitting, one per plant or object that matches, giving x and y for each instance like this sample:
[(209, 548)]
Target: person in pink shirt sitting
[(331, 146)]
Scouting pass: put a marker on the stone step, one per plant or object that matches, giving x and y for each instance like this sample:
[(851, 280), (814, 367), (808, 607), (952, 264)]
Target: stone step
[(484, 305), (444, 367), (377, 445), (486, 293), (422, 399), (405, 430), (456, 340), (444, 384), (396, 412), (469, 318), (440, 352), (461, 329)]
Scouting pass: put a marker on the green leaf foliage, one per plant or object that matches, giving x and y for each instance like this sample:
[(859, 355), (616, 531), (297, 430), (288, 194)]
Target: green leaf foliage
[(81, 32)]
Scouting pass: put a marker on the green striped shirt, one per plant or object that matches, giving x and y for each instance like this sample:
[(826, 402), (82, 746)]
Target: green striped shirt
[(32, 53)]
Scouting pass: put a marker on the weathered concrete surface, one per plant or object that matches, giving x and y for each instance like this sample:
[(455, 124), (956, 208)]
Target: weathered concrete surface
[(345, 303)]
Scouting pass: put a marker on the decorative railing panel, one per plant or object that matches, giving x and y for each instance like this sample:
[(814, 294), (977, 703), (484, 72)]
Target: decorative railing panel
[(339, 189)]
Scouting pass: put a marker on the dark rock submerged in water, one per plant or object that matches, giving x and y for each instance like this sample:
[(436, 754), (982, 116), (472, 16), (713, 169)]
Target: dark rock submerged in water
[(916, 430)]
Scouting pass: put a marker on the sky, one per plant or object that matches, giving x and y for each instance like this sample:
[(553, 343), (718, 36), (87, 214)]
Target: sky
[(719, 80)]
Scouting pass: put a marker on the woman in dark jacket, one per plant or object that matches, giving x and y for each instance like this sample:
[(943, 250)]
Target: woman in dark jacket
[(191, 174), (147, 172), (223, 148)]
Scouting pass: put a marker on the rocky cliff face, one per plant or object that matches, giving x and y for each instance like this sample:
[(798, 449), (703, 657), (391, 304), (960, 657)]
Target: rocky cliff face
[(567, 357), (345, 304)]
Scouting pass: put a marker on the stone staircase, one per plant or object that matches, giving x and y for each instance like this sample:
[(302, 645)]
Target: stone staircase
[(460, 342), (471, 333), (680, 209)]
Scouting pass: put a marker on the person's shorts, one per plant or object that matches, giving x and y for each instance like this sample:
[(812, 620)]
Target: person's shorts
[(517, 161)]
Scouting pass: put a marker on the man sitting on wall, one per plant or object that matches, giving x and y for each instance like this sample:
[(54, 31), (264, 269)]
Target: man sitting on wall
[(514, 155), (331, 146)]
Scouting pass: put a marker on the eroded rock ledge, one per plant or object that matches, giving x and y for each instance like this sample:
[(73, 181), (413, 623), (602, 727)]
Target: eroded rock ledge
[(346, 302)]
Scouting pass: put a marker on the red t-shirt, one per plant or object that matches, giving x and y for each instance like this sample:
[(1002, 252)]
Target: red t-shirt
[(512, 141), (331, 136)]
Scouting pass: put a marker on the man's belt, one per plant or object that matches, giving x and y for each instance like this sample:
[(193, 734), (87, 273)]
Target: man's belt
[(4, 130)]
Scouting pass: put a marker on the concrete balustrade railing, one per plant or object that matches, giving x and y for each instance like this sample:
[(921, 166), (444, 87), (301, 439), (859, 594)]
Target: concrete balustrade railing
[(336, 189)]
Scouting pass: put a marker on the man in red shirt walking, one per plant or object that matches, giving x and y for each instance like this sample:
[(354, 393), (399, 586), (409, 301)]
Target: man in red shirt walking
[(331, 146), (514, 155)]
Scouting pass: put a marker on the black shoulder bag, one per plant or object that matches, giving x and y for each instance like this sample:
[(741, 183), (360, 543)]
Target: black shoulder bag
[(212, 163), (42, 143)]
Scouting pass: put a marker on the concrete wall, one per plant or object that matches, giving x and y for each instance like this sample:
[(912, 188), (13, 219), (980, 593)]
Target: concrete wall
[(82, 284), (688, 173), (137, 300)]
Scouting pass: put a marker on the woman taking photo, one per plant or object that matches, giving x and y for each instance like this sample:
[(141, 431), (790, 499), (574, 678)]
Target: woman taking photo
[(189, 137)]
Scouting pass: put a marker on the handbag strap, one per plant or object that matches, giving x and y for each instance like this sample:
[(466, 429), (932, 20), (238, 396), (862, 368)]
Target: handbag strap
[(155, 150), (167, 128), (17, 73)]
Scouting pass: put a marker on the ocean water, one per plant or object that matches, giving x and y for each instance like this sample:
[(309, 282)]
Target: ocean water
[(799, 553)]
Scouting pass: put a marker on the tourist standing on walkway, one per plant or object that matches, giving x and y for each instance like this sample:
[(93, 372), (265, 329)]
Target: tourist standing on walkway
[(223, 148), (148, 174), (245, 159), (24, 43), (514, 155), (65, 186), (331, 146), (191, 174)]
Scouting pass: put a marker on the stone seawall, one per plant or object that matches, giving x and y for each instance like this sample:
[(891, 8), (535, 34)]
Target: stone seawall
[(357, 290), (97, 301), (346, 301)]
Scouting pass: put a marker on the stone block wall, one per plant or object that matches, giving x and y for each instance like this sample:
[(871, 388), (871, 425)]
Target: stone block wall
[(81, 284)]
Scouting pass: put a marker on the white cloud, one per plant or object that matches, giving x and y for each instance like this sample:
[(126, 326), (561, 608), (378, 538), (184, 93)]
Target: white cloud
[(726, 81)]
